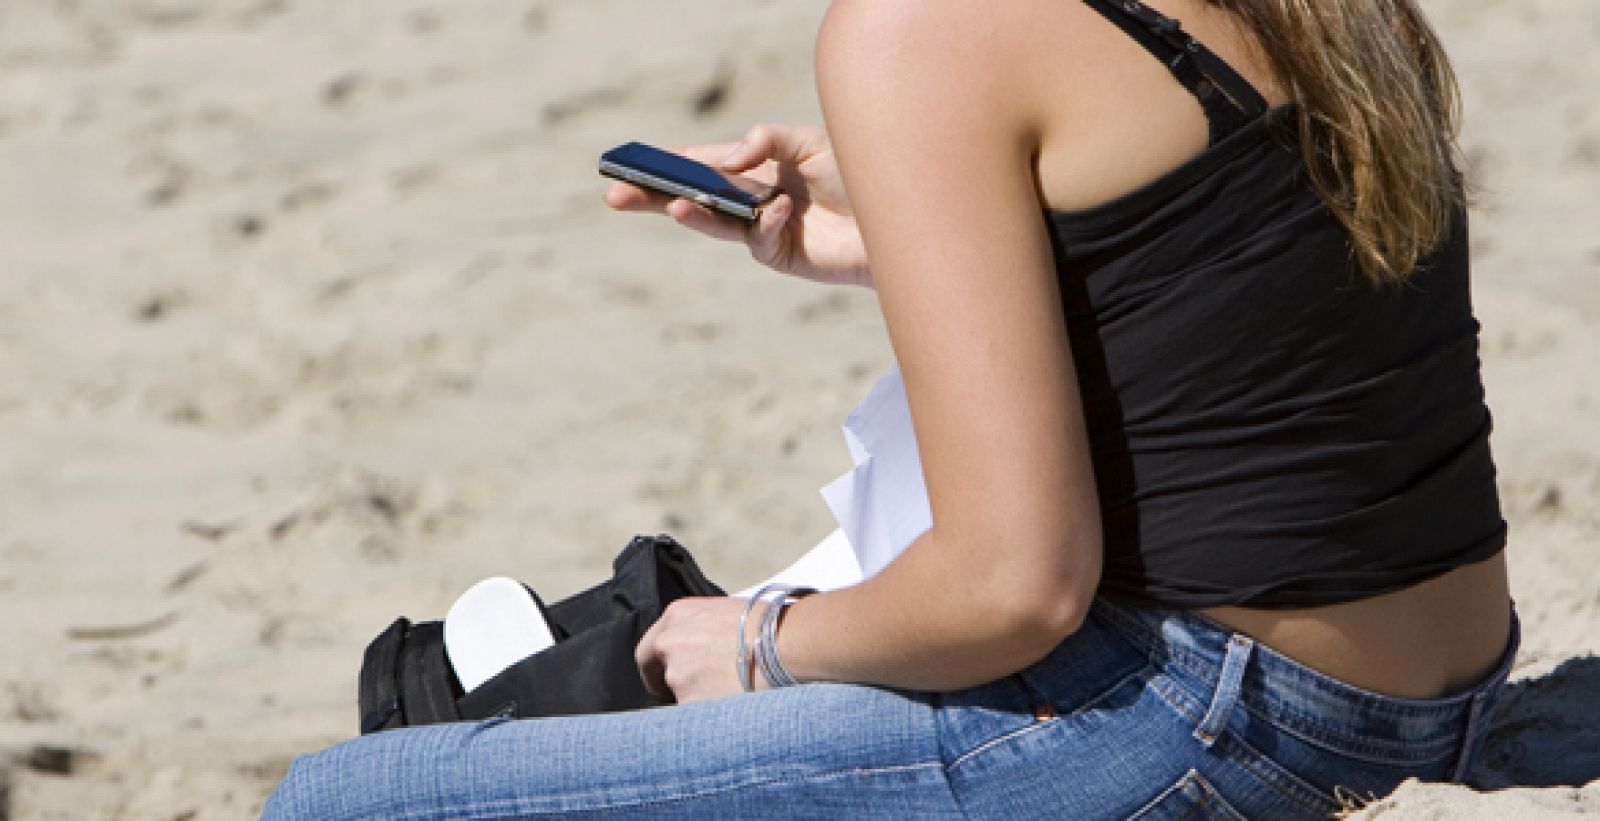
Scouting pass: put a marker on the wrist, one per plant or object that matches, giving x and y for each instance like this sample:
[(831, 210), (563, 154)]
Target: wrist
[(759, 664), (795, 645), (768, 658), (758, 653)]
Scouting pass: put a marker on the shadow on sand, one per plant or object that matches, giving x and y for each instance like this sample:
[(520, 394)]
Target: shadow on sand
[(1546, 732)]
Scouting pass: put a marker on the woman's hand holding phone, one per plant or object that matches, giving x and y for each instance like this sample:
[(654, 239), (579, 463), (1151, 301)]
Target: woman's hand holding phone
[(808, 231)]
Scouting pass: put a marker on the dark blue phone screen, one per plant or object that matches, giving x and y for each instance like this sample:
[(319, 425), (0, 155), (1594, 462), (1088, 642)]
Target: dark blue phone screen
[(685, 171)]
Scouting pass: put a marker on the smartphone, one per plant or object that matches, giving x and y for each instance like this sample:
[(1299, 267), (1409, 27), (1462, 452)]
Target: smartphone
[(678, 176)]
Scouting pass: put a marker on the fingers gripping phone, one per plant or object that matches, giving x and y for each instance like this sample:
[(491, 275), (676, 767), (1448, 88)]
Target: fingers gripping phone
[(678, 176)]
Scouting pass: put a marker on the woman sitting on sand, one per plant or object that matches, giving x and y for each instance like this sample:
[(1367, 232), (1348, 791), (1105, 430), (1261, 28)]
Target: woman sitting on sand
[(1186, 337)]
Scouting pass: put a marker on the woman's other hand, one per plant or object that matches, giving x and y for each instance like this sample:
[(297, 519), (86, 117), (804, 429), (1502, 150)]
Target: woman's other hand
[(689, 653), (808, 231)]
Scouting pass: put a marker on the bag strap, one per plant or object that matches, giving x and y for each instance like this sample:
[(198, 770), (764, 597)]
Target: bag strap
[(1229, 100)]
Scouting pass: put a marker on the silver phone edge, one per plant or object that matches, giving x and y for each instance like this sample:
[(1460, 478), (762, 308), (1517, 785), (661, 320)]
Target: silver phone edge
[(662, 185)]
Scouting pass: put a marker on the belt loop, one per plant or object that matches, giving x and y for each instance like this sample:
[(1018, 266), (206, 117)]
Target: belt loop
[(1229, 683), (1483, 703), (1470, 738)]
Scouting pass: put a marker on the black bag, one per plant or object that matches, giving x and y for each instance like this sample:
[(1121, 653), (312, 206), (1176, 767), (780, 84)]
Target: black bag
[(406, 679)]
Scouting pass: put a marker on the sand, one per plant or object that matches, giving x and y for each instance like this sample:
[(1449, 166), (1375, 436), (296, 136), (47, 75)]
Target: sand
[(310, 316)]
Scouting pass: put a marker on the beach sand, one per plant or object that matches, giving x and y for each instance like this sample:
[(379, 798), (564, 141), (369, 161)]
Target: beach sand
[(311, 316)]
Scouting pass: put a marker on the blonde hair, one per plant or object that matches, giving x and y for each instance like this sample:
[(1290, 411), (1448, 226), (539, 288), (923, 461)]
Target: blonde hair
[(1379, 113)]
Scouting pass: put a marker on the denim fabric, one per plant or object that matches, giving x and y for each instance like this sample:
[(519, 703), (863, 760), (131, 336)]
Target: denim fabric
[(1140, 714)]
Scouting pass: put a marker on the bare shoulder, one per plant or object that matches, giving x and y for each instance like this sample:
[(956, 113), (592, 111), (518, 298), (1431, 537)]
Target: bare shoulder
[(910, 33), (964, 24), (914, 47), (1098, 115)]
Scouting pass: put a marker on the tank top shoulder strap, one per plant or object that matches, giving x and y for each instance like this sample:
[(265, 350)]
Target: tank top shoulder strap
[(1229, 100)]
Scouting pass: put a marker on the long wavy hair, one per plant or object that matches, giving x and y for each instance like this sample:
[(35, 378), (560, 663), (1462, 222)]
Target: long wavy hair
[(1379, 114)]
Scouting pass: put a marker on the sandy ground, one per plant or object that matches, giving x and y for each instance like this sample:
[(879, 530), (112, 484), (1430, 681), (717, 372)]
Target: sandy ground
[(310, 316)]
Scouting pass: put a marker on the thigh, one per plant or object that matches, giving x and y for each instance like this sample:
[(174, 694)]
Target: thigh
[(822, 751)]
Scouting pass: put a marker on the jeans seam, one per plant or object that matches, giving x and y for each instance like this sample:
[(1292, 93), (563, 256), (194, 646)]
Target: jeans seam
[(1208, 800), (518, 805), (1305, 730), (999, 739), (1210, 796), (1267, 777), (936, 712), (1288, 784), (1397, 754), (1305, 726), (936, 706), (1173, 700), (1175, 786), (1039, 724)]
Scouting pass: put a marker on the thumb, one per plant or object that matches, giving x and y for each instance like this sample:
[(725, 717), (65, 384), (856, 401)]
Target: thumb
[(766, 141), (652, 664)]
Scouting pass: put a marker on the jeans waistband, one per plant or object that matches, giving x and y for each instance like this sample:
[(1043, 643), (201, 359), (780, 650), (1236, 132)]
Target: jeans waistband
[(1317, 707)]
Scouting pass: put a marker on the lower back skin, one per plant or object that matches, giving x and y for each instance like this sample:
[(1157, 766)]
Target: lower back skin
[(1429, 640)]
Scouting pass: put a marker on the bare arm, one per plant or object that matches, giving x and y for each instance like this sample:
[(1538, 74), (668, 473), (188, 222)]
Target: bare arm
[(934, 134), (934, 131)]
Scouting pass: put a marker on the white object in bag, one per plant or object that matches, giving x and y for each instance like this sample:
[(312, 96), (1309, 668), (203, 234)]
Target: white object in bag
[(492, 626)]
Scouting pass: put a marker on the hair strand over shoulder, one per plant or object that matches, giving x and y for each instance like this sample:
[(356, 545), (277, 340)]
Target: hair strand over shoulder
[(1379, 112)]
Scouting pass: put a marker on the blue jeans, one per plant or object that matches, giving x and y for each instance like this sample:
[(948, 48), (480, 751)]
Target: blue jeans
[(1140, 714)]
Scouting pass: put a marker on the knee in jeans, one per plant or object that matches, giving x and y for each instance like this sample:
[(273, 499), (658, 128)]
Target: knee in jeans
[(298, 796)]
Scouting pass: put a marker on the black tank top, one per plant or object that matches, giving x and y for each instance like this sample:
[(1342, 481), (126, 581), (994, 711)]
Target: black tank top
[(1268, 428)]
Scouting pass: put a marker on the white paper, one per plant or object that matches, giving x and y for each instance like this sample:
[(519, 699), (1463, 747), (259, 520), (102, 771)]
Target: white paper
[(881, 504), (828, 566)]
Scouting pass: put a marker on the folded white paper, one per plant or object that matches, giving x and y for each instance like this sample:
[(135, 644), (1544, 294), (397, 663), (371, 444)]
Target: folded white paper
[(881, 504), (828, 566)]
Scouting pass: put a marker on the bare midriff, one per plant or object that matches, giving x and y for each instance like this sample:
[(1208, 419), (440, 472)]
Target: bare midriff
[(1432, 639)]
